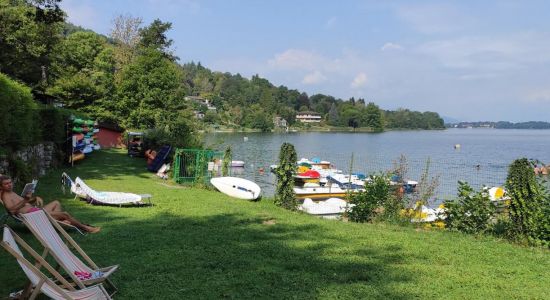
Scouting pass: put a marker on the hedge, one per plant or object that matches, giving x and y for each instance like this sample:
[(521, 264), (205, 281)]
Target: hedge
[(18, 124)]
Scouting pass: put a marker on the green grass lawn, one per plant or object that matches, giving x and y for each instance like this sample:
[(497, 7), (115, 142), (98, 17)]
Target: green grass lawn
[(196, 243)]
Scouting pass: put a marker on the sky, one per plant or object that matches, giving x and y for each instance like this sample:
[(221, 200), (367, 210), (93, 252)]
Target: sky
[(467, 60)]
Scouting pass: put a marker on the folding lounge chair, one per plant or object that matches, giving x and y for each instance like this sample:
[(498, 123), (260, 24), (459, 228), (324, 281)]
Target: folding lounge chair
[(82, 190), (17, 218), (56, 242), (40, 282)]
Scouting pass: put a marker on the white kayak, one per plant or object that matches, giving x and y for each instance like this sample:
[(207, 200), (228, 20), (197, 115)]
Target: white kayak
[(237, 187)]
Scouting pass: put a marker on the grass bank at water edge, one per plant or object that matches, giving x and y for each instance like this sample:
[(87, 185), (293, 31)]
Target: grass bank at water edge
[(197, 244)]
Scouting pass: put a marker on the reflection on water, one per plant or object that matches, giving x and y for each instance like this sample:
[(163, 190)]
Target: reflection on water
[(236, 171), (482, 158)]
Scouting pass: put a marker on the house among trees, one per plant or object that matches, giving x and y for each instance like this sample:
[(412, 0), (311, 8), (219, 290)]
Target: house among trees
[(202, 101), (280, 122), (308, 117), (110, 135)]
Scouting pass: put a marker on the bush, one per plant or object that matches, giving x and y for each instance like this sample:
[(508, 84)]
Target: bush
[(471, 212), (368, 204), (529, 209), (284, 195), (19, 114)]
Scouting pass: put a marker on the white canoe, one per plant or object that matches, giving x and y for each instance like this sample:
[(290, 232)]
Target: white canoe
[(237, 187)]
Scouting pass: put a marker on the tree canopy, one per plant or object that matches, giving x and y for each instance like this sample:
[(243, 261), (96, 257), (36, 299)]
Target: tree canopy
[(133, 78)]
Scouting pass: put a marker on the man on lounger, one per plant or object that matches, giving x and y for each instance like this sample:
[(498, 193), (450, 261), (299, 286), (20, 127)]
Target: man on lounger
[(16, 204)]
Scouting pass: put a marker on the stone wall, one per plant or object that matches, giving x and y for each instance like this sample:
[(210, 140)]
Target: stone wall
[(41, 158)]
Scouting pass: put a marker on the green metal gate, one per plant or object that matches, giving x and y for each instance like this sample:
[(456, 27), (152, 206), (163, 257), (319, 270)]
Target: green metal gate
[(197, 165)]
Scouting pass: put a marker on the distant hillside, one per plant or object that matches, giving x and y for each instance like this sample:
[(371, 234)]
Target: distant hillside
[(450, 120), (500, 125)]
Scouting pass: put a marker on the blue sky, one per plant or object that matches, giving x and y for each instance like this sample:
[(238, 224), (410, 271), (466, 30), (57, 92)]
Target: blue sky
[(469, 60)]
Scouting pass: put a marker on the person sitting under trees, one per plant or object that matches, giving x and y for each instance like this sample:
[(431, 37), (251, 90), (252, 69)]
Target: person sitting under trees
[(16, 204)]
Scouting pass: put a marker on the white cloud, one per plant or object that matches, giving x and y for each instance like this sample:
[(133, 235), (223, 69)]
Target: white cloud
[(359, 81), (314, 78), (391, 46), (538, 96), (490, 55), (296, 59)]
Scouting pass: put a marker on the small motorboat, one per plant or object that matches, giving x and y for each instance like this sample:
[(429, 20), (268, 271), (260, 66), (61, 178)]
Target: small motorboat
[(237, 164), (317, 192), (330, 208)]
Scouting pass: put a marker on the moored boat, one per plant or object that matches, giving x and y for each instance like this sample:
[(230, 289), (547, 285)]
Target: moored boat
[(317, 192), (331, 208), (237, 163)]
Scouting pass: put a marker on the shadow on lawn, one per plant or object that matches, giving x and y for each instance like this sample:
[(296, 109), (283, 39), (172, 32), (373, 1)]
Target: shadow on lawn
[(113, 163), (235, 256)]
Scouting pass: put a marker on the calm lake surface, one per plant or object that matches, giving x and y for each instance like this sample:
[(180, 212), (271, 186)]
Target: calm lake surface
[(482, 158)]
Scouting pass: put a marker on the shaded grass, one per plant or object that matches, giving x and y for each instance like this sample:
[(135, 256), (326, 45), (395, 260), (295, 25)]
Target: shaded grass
[(201, 244)]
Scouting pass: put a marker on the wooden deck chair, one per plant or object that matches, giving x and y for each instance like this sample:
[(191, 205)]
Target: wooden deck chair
[(39, 282), (17, 218), (57, 243)]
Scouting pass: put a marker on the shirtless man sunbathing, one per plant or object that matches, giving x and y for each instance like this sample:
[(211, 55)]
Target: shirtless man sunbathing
[(16, 204)]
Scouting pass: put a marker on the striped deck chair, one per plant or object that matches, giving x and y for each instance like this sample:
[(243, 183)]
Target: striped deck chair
[(17, 218), (57, 241), (39, 282)]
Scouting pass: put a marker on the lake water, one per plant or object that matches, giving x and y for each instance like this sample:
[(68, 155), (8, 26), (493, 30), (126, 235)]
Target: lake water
[(482, 158)]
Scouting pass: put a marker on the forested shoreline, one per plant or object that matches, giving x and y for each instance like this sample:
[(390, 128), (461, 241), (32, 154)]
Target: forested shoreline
[(133, 78)]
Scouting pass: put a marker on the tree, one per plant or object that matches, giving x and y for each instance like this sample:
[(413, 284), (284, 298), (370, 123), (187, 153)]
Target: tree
[(333, 116), (303, 101), (284, 194), (154, 36), (125, 34), (29, 30), (78, 84), (149, 87), (373, 117)]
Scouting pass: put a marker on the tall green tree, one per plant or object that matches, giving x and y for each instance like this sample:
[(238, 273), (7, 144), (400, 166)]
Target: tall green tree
[(333, 115), (149, 87), (154, 36), (29, 30), (78, 84), (373, 117)]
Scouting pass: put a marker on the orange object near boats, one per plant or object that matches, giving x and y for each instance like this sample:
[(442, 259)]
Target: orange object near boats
[(76, 156), (150, 155)]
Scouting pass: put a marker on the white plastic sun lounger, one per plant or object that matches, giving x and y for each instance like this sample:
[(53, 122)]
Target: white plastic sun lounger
[(82, 190), (40, 282), (57, 241)]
